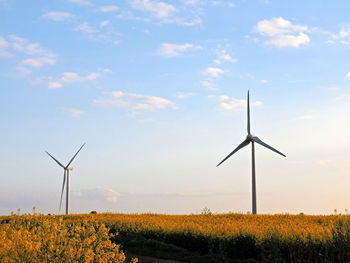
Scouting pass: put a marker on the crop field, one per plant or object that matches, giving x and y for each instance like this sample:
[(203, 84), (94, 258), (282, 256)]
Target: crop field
[(184, 238)]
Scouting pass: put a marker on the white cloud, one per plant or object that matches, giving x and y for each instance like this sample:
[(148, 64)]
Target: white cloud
[(347, 75), (233, 104), (191, 2), (289, 40), (278, 26), (74, 112), (70, 77), (158, 9), (223, 56), (109, 8), (344, 32), (23, 45), (105, 70), (231, 4), (135, 102), (54, 85), (105, 32), (208, 85), (98, 194), (58, 16), (224, 97), (23, 70), (283, 33), (190, 22), (227, 57), (216, 3), (187, 13), (306, 117), (343, 36), (264, 81), (213, 72), (92, 76), (81, 2), (173, 50), (184, 95), (17, 44), (129, 15), (4, 45), (73, 76), (104, 23), (85, 27), (38, 62)]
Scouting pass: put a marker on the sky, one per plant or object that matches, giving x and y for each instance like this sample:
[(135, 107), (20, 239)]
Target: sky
[(157, 91)]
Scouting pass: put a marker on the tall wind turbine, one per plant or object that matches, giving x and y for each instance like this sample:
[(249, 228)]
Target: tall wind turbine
[(251, 139), (66, 169)]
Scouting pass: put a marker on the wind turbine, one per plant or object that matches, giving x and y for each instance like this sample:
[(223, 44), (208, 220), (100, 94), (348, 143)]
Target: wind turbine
[(251, 139), (66, 169)]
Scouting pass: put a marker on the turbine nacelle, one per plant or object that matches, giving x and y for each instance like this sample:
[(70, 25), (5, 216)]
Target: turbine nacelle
[(250, 137)]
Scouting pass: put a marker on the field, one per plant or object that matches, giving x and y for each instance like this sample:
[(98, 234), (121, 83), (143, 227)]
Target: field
[(184, 238)]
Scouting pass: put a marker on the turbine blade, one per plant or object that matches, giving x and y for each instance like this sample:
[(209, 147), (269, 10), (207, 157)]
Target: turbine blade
[(244, 143), (248, 114), (64, 180), (55, 160), (257, 140), (75, 156)]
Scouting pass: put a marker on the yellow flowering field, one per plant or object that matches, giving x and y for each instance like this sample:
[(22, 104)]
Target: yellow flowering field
[(38, 238), (227, 237), (188, 238)]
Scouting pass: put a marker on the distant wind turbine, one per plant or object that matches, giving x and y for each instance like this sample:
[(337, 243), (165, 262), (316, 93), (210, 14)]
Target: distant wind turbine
[(251, 139), (66, 175)]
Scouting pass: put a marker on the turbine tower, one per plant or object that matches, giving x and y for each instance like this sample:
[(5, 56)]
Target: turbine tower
[(251, 139), (66, 169)]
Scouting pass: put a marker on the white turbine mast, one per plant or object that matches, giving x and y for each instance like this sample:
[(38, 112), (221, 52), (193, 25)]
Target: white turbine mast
[(66, 169), (251, 139)]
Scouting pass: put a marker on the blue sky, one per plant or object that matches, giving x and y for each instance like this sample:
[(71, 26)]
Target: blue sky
[(157, 90)]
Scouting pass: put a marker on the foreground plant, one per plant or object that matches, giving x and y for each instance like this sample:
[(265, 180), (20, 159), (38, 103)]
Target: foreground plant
[(50, 239)]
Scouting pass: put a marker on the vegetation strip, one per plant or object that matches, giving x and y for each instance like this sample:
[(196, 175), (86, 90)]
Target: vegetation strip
[(188, 238)]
